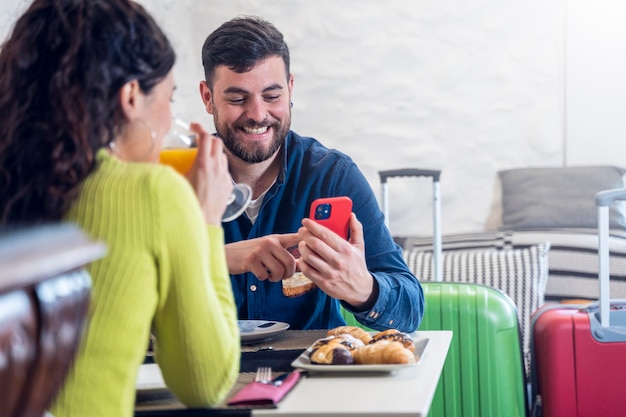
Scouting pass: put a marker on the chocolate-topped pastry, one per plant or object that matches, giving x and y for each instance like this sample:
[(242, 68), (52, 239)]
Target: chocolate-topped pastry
[(331, 354), (353, 331), (397, 336), (348, 341), (322, 342), (345, 340)]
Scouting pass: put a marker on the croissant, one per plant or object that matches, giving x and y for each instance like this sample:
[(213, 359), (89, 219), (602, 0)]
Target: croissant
[(395, 335), (383, 352), (331, 354), (357, 332)]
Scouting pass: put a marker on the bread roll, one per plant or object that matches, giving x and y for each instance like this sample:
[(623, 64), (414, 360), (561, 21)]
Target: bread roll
[(354, 331), (383, 352), (395, 335)]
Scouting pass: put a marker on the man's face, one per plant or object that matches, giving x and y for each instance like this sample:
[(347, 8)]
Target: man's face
[(251, 110)]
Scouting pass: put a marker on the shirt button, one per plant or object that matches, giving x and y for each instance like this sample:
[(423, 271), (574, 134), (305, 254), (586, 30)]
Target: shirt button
[(390, 322), (252, 288)]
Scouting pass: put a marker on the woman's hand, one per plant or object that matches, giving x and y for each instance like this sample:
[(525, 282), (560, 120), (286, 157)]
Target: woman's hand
[(209, 176)]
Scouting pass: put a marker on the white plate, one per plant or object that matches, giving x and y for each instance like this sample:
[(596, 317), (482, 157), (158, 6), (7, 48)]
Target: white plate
[(303, 362), (149, 378), (257, 330)]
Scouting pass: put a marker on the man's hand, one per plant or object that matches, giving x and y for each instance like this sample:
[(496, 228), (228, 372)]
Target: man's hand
[(335, 265), (266, 257)]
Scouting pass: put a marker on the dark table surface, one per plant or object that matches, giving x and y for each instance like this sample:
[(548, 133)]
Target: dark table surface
[(277, 352)]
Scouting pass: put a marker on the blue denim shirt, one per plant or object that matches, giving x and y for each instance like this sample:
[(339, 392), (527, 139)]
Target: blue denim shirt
[(311, 171)]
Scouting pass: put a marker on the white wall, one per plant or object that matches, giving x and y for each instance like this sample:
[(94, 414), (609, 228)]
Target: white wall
[(596, 82), (469, 87)]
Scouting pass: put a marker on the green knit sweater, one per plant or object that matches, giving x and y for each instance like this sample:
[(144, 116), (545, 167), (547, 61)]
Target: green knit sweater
[(165, 271)]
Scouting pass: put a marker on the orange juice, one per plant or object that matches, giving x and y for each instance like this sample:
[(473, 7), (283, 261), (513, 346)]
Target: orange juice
[(179, 159)]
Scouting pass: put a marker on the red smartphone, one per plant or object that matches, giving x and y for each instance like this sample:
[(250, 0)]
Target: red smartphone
[(332, 212)]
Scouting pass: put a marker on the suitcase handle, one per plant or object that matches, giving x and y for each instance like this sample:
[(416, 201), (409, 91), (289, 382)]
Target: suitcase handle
[(605, 198), (616, 332), (595, 306), (409, 172), (416, 172), (603, 201)]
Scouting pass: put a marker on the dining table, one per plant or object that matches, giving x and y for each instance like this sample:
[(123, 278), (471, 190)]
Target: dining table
[(400, 391)]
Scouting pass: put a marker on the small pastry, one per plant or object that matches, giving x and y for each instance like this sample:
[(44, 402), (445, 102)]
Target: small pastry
[(383, 352), (297, 285), (331, 354), (357, 332), (321, 342), (395, 335)]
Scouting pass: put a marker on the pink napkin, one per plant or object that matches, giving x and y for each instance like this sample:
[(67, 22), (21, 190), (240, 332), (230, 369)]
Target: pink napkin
[(259, 394)]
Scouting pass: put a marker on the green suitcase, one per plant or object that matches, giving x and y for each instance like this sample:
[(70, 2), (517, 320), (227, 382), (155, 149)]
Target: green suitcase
[(483, 374)]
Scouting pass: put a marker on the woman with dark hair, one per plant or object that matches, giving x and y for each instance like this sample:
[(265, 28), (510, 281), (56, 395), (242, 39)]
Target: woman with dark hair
[(86, 90)]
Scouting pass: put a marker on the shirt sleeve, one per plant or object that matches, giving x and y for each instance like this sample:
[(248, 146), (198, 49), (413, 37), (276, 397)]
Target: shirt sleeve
[(198, 346)]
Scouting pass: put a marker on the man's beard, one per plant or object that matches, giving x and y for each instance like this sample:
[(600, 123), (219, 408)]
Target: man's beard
[(255, 153)]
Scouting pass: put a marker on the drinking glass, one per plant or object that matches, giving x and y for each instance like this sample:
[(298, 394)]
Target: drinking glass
[(179, 151)]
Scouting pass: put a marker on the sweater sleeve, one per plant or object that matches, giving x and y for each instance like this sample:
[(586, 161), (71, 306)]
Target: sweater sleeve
[(198, 346)]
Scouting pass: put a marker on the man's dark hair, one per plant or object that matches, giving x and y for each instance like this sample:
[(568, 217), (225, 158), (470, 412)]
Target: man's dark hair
[(240, 44)]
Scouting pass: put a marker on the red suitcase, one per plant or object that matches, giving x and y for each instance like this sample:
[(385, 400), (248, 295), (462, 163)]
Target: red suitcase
[(580, 352)]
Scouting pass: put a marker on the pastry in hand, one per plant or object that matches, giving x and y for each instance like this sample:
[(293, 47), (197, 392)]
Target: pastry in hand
[(296, 285), (357, 332), (383, 352), (331, 354), (395, 335)]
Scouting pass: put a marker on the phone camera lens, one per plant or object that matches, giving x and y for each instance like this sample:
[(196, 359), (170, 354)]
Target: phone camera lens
[(322, 212)]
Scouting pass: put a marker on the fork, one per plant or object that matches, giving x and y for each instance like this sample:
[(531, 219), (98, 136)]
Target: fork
[(263, 375)]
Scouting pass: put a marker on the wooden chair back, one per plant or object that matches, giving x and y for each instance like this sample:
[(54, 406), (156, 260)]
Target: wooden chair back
[(44, 301)]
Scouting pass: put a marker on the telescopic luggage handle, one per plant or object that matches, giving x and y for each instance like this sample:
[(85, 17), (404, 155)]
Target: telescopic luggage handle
[(606, 197), (416, 172), (603, 200), (409, 172), (412, 172)]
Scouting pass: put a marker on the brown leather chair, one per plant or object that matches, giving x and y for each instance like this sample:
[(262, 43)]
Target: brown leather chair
[(44, 298)]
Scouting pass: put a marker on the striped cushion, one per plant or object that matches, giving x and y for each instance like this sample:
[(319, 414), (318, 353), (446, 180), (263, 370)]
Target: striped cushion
[(573, 257), (574, 262), (464, 241), (522, 274)]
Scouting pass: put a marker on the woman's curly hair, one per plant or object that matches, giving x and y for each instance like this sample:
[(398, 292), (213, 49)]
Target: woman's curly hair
[(61, 71)]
